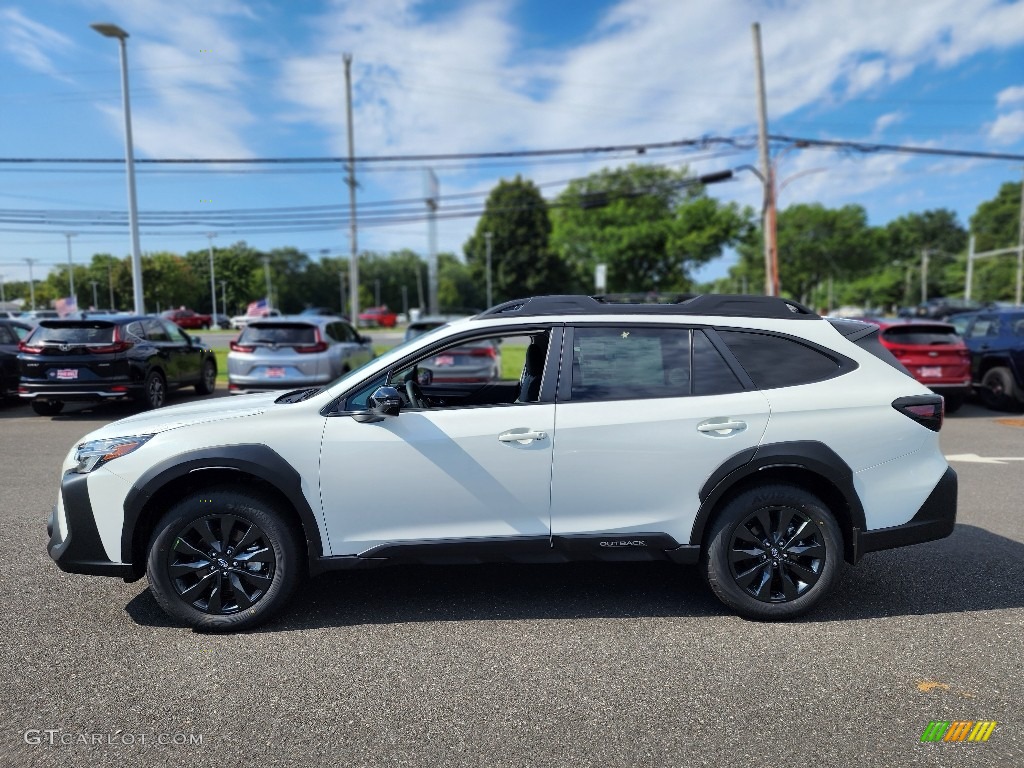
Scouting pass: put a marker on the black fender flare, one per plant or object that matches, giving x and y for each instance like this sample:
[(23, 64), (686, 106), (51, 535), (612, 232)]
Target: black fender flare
[(251, 458), (808, 455)]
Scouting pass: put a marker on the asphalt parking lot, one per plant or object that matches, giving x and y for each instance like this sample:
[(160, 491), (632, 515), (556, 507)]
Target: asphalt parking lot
[(603, 665)]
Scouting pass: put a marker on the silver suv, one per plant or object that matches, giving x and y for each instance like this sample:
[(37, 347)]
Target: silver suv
[(288, 352)]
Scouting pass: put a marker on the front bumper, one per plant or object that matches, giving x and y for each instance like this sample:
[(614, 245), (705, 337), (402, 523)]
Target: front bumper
[(80, 549), (934, 520)]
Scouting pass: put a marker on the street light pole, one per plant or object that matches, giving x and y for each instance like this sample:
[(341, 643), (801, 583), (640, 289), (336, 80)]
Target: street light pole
[(224, 295), (266, 274), (487, 238), (95, 300), (31, 284), (213, 284), (71, 270), (112, 30)]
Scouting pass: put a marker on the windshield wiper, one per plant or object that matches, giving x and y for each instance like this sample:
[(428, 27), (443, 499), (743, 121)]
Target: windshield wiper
[(298, 395)]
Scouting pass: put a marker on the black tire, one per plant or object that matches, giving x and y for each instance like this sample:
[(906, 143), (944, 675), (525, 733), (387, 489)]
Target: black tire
[(223, 560), (793, 572), (998, 390), (154, 391), (47, 407), (208, 378)]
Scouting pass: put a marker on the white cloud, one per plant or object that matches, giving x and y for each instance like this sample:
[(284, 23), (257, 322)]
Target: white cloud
[(32, 44), (888, 119), (1010, 95), (1008, 128)]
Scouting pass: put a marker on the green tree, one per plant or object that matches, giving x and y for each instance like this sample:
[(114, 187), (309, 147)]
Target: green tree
[(996, 225), (907, 238), (649, 225), (522, 262)]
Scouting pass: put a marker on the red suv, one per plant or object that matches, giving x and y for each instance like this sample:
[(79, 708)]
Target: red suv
[(379, 316), (933, 353)]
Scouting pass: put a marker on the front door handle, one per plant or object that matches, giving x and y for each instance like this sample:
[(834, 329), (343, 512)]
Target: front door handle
[(721, 428), (521, 436)]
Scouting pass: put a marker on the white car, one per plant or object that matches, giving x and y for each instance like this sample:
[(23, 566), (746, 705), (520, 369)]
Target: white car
[(744, 434), (238, 322)]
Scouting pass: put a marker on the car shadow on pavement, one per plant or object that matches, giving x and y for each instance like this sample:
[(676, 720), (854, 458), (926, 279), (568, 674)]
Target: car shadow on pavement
[(972, 570)]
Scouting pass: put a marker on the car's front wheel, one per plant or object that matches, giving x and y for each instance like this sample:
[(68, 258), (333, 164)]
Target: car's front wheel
[(47, 407), (773, 552), (223, 560)]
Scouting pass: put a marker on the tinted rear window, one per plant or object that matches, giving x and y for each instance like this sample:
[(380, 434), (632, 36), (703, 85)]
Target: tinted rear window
[(920, 334), (279, 333), (1016, 324), (775, 361), (78, 333)]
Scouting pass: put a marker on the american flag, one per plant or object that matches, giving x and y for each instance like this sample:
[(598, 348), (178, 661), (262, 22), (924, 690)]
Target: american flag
[(257, 307), (66, 306)]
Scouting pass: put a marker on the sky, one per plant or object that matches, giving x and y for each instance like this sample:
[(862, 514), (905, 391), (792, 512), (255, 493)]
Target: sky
[(226, 79)]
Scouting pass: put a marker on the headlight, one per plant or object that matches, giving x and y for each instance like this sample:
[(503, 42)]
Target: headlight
[(96, 453)]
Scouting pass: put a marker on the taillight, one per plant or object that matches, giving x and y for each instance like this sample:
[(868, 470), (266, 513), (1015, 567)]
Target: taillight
[(24, 347), (318, 346), (482, 352), (118, 344), (926, 410), (236, 347)]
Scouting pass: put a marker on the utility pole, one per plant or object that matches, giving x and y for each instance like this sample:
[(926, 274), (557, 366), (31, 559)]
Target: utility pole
[(266, 274), (341, 293), (71, 270), (224, 295), (430, 183), (110, 282), (405, 300), (1020, 246), (213, 284), (487, 237), (31, 284), (924, 276), (353, 264), (95, 301), (771, 276), (376, 291)]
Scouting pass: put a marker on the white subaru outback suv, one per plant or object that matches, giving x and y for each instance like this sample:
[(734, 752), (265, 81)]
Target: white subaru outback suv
[(745, 434)]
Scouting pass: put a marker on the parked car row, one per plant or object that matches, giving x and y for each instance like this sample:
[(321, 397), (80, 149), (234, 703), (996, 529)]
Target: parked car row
[(118, 357), (980, 352)]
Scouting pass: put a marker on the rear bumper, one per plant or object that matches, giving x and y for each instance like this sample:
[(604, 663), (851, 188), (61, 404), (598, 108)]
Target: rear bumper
[(951, 390), (934, 520), (80, 549), (76, 394)]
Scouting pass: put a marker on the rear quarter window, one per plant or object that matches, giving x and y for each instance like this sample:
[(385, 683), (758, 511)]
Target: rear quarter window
[(777, 361)]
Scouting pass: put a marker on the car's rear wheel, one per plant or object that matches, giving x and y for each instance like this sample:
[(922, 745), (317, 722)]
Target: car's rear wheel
[(154, 391), (223, 560), (998, 390), (773, 552), (208, 380), (47, 407)]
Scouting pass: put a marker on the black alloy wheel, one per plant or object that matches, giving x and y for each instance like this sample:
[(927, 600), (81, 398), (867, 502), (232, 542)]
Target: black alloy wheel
[(208, 379), (221, 564), (773, 552), (777, 554), (154, 391), (223, 559)]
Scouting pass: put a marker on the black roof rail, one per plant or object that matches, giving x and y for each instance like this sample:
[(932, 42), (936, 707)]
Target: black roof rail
[(717, 304)]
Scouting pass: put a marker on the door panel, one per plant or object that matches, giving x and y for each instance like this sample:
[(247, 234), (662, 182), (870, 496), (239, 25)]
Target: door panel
[(638, 465), (436, 474)]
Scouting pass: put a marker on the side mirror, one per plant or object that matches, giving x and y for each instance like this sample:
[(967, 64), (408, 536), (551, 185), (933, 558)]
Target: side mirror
[(196, 341), (384, 402)]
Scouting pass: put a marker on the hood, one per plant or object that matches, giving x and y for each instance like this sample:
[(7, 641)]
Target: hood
[(172, 417)]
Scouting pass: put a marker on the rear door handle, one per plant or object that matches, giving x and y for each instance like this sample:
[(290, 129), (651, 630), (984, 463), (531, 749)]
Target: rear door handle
[(721, 428), (523, 437)]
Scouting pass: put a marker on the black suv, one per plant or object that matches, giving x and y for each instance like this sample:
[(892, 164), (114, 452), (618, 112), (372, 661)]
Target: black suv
[(996, 340), (109, 358)]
